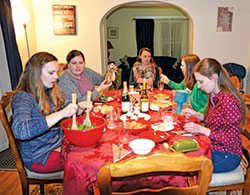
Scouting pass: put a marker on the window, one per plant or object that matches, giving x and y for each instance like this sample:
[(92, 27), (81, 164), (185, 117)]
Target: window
[(171, 37)]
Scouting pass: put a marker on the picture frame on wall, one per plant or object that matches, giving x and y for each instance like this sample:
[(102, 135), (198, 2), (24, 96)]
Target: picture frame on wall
[(225, 19), (64, 19), (113, 32)]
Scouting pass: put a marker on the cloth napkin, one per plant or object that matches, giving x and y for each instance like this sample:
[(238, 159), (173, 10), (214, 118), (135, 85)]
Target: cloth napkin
[(116, 152)]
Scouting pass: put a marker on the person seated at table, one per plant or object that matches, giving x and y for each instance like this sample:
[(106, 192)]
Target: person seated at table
[(225, 113), (144, 67), (198, 97), (79, 79), (38, 106)]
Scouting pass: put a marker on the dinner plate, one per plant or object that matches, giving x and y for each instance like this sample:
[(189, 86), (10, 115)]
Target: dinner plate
[(161, 96), (162, 127), (156, 136), (132, 116), (184, 133), (135, 129), (111, 99)]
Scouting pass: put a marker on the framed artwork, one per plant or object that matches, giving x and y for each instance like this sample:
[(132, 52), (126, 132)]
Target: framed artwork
[(113, 32), (225, 19), (64, 19)]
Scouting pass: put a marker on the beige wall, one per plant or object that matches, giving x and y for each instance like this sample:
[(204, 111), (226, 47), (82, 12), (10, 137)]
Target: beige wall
[(224, 46), (123, 19)]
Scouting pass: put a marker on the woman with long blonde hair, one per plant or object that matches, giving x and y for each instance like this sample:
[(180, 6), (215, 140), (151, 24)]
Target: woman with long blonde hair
[(225, 112), (38, 106)]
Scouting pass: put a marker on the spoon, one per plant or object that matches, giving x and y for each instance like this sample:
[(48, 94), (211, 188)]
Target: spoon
[(87, 121), (74, 125)]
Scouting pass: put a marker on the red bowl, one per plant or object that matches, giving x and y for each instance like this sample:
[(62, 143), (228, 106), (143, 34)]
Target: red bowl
[(84, 138)]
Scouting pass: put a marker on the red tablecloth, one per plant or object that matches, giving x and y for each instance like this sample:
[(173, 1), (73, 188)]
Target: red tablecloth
[(81, 165)]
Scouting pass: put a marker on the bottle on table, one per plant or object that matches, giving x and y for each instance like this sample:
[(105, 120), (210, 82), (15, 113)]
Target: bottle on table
[(144, 100), (125, 99)]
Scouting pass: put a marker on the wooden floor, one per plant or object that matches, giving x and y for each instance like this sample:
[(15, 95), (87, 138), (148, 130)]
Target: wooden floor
[(10, 183)]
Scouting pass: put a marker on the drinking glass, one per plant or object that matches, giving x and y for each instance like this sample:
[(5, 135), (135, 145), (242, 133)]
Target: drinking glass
[(160, 85), (150, 88), (112, 119)]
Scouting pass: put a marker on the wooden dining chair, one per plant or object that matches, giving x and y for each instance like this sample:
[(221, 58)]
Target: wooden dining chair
[(238, 179), (154, 164), (246, 98), (27, 177)]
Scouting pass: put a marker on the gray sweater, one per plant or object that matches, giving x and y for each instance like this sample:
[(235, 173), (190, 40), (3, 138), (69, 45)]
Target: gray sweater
[(69, 84)]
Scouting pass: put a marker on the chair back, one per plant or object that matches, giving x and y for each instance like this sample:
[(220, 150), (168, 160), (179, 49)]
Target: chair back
[(5, 110), (155, 164)]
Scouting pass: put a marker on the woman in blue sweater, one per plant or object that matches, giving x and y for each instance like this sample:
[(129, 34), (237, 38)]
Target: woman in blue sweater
[(38, 106)]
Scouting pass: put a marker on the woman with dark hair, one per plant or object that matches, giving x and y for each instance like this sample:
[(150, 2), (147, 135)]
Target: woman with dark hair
[(144, 67), (198, 98), (79, 79), (38, 106), (225, 113)]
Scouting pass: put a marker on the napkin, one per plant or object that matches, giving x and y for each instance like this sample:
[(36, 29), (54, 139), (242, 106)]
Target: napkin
[(116, 151)]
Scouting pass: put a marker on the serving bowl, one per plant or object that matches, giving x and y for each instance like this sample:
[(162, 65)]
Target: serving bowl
[(86, 137), (141, 146)]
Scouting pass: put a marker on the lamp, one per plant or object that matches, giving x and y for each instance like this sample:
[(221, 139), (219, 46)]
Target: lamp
[(110, 46), (26, 18)]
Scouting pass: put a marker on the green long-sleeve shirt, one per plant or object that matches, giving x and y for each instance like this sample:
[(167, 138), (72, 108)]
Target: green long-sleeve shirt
[(198, 97)]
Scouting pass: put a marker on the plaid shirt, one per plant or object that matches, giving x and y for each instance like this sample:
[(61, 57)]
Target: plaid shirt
[(147, 72)]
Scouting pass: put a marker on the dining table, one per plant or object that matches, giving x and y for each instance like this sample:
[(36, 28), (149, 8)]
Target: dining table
[(81, 164)]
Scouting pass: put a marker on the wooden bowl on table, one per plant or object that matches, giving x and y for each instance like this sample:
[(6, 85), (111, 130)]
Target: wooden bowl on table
[(86, 137)]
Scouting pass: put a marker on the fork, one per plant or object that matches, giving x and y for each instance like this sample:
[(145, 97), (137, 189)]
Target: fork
[(87, 121)]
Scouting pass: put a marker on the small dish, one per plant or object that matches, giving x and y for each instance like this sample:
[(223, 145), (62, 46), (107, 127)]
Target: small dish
[(185, 133), (161, 96), (141, 146), (156, 136), (105, 99), (162, 127)]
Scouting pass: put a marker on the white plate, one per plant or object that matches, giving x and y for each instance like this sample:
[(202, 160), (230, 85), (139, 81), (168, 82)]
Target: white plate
[(162, 127), (133, 116), (188, 134)]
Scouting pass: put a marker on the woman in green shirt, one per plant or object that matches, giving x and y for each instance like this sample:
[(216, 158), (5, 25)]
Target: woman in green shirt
[(198, 98)]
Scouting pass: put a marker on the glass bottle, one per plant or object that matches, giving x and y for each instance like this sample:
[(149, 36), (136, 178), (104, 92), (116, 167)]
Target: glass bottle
[(125, 98), (144, 100)]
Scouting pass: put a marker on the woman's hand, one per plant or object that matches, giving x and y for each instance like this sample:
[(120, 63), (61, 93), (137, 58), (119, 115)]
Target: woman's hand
[(68, 111), (84, 105), (190, 111), (164, 79), (103, 86), (195, 128)]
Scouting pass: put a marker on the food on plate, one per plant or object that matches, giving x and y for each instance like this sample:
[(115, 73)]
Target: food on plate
[(161, 96), (135, 125), (184, 145), (105, 98), (83, 126), (162, 126), (103, 109), (157, 104), (135, 116)]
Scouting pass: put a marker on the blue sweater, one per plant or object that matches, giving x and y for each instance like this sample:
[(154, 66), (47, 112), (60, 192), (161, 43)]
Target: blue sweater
[(37, 140)]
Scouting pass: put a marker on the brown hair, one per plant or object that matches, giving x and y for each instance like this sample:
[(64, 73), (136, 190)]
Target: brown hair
[(207, 67), (74, 53), (191, 60), (148, 50), (30, 82)]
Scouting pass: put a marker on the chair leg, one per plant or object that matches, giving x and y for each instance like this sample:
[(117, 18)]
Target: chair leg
[(41, 189), (228, 192), (25, 190)]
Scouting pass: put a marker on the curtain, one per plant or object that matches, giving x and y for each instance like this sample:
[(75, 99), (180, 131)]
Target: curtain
[(12, 53), (145, 34), (171, 37)]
